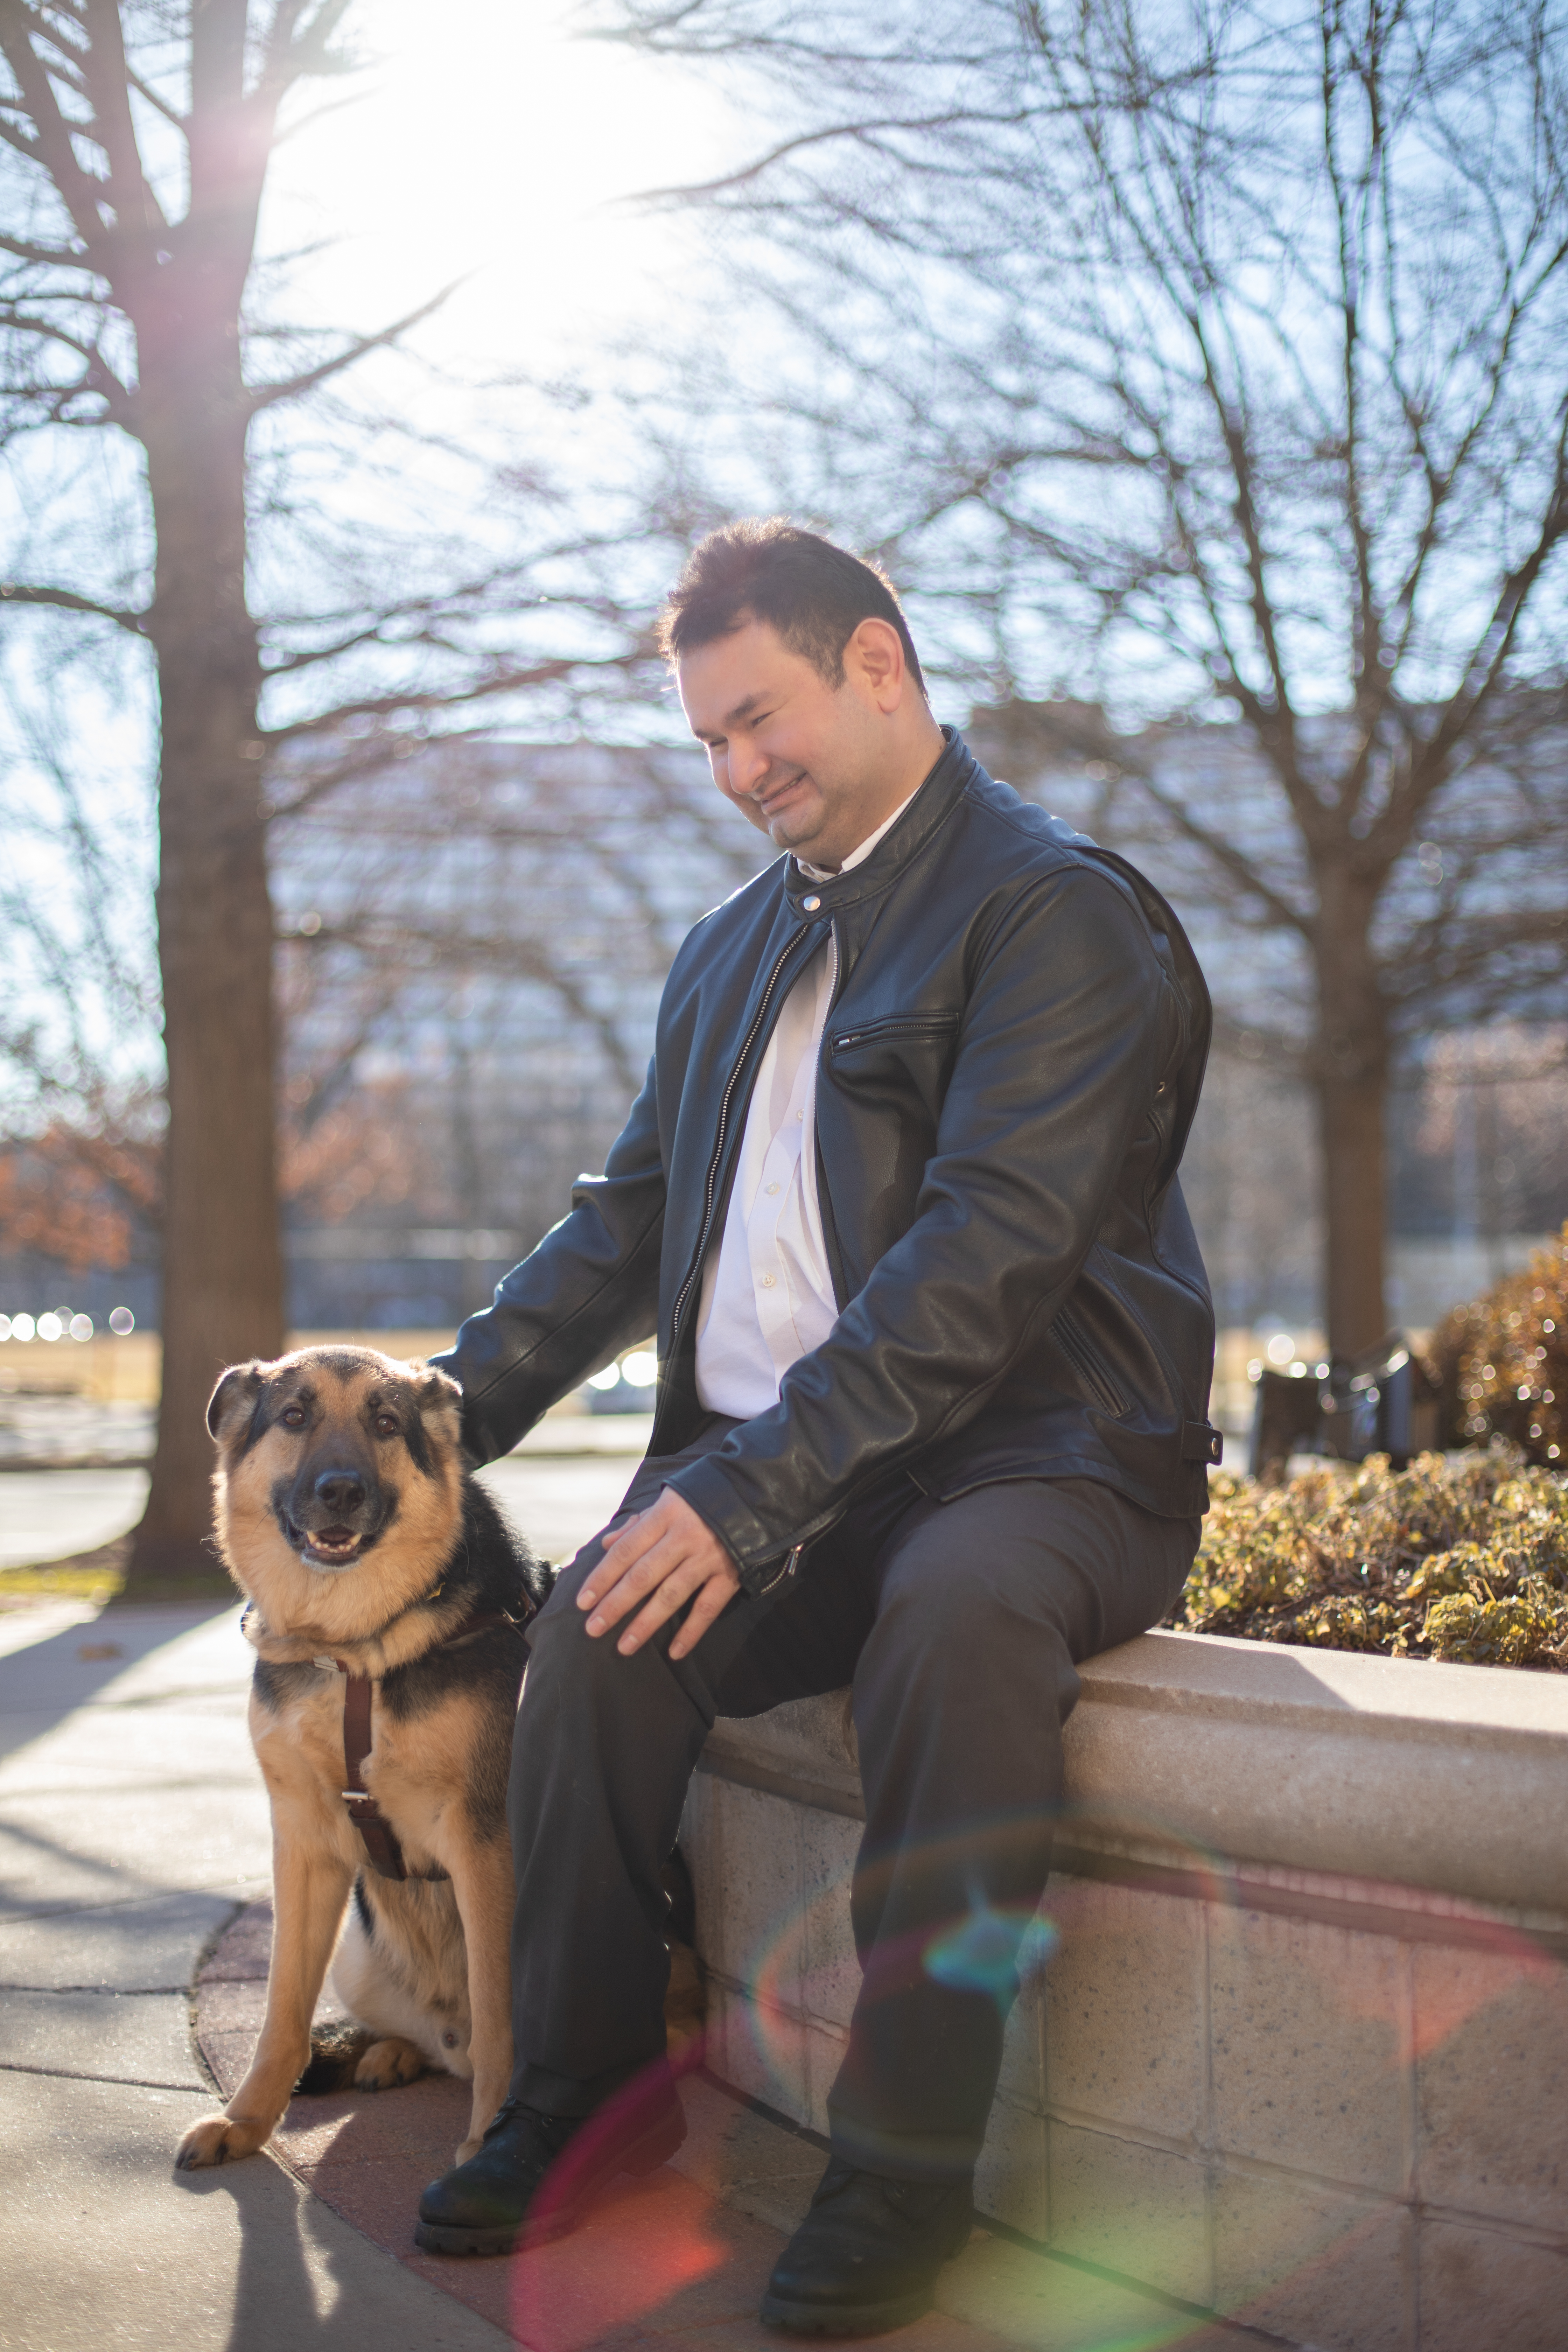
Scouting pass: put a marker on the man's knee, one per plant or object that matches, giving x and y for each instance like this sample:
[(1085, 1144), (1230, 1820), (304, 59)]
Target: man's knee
[(576, 1678), (564, 1657), (569, 1579)]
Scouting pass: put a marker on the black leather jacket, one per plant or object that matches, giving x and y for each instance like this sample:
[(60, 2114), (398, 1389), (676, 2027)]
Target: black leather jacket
[(1008, 1073)]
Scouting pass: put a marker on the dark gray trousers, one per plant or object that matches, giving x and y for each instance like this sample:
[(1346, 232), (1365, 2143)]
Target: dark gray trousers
[(959, 1626)]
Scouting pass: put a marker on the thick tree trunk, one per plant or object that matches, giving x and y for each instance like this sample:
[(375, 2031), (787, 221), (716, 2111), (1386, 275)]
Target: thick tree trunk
[(222, 1271), (1351, 1125), (1351, 1062)]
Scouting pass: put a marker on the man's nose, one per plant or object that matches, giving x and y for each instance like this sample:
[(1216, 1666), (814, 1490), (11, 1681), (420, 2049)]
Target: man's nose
[(341, 1490), (748, 767)]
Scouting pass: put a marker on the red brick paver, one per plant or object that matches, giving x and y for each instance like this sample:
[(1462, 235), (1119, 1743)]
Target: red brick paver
[(663, 2258)]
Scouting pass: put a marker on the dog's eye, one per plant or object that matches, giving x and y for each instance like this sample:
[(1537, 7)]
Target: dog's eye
[(293, 1416), (386, 1425)]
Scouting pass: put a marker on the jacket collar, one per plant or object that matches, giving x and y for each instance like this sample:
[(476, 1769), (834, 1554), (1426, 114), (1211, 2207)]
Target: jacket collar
[(930, 807)]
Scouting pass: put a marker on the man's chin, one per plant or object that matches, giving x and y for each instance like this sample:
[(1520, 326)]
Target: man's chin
[(797, 815), (795, 830)]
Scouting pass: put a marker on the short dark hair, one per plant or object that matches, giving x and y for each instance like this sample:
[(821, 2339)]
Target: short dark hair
[(814, 593)]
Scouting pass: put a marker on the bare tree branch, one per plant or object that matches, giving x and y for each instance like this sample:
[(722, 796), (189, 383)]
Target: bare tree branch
[(17, 591), (294, 387)]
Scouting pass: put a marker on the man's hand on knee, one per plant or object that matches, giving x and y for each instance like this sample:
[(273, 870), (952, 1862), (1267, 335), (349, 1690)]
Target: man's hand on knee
[(660, 1558)]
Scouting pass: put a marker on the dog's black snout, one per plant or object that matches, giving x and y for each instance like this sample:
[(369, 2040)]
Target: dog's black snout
[(340, 1492)]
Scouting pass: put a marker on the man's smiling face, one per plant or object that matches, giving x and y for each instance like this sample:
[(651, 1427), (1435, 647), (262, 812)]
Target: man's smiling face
[(816, 767)]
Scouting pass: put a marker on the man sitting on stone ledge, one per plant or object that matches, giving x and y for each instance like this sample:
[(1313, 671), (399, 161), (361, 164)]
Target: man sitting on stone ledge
[(900, 1198)]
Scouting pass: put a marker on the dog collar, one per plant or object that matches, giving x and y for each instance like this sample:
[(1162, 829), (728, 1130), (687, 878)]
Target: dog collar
[(256, 1630)]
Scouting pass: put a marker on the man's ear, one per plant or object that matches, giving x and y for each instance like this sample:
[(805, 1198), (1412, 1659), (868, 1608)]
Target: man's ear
[(234, 1396), (874, 651)]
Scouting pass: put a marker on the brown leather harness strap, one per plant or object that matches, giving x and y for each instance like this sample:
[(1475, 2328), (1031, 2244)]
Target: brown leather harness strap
[(380, 1840), (381, 1845)]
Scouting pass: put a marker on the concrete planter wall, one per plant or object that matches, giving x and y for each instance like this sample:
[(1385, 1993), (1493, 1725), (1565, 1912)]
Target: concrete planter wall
[(1303, 2052)]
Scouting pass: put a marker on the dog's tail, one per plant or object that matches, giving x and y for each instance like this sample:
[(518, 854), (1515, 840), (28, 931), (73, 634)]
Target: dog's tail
[(335, 2052)]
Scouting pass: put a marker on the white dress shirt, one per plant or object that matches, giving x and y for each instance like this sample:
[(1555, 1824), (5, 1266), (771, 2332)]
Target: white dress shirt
[(767, 1292)]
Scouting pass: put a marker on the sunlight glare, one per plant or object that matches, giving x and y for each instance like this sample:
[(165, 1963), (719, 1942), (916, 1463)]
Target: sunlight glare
[(484, 142)]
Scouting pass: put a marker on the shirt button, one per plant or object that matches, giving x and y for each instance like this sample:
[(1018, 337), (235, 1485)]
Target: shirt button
[(801, 1116), (767, 1281), (810, 906), (773, 1188)]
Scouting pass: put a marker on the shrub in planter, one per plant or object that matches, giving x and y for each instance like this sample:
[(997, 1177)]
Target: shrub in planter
[(1500, 1364), (1463, 1556)]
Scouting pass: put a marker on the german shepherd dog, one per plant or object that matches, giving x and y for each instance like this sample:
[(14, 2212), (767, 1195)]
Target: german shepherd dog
[(348, 1516)]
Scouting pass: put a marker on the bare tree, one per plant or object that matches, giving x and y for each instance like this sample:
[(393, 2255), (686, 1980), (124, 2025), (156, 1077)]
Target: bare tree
[(1467, 929), (136, 138), (81, 1110), (1210, 360), (1495, 1106), (488, 925)]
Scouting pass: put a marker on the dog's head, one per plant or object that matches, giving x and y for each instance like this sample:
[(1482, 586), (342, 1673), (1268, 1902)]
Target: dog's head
[(336, 1460)]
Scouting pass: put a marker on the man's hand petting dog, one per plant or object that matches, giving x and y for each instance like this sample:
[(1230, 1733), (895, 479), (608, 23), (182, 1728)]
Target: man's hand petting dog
[(663, 1557)]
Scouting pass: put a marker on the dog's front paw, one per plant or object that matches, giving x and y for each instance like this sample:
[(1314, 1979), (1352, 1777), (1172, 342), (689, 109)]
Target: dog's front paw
[(469, 2148), (388, 2063), (217, 2139)]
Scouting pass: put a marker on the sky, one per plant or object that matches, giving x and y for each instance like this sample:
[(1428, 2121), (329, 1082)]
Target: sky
[(495, 151)]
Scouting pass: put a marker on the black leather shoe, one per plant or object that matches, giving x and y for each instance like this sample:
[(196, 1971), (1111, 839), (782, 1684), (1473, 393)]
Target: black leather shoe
[(535, 2173), (866, 2257)]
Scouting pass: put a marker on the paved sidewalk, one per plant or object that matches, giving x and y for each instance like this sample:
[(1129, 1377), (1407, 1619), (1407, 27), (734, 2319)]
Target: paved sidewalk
[(568, 1480), (40, 1427), (44, 1433), (51, 1514), (133, 1833), (133, 1827)]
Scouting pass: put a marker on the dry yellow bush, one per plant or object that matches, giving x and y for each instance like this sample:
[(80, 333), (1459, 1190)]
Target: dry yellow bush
[(1462, 1556), (1500, 1364)]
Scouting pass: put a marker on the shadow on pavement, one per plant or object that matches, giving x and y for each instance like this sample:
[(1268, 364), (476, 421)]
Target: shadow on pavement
[(303, 2283), (43, 1684), (275, 2301)]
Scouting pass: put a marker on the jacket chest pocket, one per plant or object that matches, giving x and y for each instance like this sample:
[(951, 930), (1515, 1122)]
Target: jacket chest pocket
[(897, 1067), (893, 1029)]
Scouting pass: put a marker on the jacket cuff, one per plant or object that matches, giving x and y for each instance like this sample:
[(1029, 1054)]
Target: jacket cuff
[(758, 1552)]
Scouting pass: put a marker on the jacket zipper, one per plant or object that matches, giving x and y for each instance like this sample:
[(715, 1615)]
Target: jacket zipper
[(898, 1024), (824, 1197), (726, 1101)]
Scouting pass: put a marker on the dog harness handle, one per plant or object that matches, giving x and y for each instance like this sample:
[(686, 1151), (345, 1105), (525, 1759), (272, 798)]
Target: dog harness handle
[(380, 1839), (381, 1845)]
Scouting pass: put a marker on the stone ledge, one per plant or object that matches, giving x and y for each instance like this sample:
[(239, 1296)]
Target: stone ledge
[(1291, 2056), (1401, 1795)]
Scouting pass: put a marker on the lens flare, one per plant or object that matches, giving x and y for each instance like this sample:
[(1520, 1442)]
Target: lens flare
[(637, 2249), (991, 1951), (1105, 2048)]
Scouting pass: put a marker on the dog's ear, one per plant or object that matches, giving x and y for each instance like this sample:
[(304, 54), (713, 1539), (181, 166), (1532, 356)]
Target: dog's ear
[(234, 1394), (437, 1391), (440, 1399)]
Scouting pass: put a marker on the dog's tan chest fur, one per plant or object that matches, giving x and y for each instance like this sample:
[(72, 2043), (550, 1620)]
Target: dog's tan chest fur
[(419, 1772), (300, 1749), (416, 1770)]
